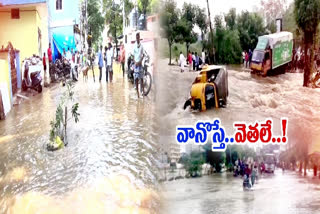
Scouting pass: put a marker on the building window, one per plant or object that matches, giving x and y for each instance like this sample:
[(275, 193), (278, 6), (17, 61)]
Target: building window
[(58, 4), (15, 14)]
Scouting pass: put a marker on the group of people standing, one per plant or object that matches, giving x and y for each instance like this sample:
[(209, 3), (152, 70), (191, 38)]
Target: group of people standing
[(73, 57), (194, 61), (246, 58), (107, 57)]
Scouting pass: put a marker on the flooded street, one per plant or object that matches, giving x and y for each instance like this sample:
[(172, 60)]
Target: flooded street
[(251, 98), (108, 165), (222, 193)]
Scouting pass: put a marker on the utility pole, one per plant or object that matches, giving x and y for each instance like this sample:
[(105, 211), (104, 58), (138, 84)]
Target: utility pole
[(230, 157), (211, 32)]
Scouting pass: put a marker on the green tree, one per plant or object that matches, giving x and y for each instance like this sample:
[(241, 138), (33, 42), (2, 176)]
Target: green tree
[(289, 23), (58, 132), (155, 6), (250, 27), (184, 33), (193, 163), (143, 6), (201, 21), (128, 6), (114, 20), (95, 21), (227, 42), (231, 52), (218, 38), (185, 25), (307, 15), (168, 21), (215, 159), (231, 19)]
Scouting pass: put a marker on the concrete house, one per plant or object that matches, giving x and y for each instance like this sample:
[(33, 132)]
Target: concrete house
[(64, 20), (24, 32)]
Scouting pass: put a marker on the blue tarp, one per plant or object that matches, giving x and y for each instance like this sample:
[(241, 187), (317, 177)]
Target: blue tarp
[(62, 41), (19, 2)]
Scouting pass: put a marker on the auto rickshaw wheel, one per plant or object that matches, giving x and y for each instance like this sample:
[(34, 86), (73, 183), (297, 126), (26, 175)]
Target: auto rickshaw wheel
[(197, 105), (210, 103)]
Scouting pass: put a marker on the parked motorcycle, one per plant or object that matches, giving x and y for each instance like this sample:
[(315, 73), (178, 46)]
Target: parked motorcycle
[(33, 81), (130, 68)]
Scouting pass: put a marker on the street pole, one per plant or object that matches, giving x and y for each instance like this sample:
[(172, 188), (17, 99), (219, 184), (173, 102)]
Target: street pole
[(230, 156), (211, 32)]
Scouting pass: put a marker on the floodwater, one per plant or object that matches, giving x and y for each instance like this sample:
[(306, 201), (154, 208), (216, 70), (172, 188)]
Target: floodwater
[(251, 98), (108, 165), (222, 193)]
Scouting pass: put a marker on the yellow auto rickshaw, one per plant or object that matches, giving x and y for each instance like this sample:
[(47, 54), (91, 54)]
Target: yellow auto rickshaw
[(209, 89)]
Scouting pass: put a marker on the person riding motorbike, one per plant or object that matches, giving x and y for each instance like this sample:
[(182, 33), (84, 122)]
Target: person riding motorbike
[(246, 180)]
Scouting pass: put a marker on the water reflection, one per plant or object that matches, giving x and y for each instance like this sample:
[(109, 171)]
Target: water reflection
[(113, 137), (251, 97)]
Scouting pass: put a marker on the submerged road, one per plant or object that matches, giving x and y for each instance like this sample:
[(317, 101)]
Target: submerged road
[(277, 193), (107, 166)]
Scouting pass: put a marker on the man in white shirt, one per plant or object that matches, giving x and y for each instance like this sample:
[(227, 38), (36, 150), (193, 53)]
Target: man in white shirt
[(182, 61), (69, 55), (243, 57), (138, 57), (109, 62), (203, 56)]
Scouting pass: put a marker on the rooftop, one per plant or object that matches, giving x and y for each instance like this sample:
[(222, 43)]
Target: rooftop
[(20, 2)]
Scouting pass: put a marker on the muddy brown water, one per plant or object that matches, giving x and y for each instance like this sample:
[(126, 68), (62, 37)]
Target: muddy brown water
[(251, 98), (281, 192), (108, 165)]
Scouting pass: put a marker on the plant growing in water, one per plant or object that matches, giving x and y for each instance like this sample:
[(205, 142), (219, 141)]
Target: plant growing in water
[(58, 132)]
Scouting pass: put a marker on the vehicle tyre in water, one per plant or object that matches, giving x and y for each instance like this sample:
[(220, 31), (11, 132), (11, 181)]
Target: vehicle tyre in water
[(225, 102), (197, 105), (39, 88), (147, 82)]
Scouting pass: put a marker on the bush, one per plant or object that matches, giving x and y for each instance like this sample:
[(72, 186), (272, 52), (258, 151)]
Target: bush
[(194, 164)]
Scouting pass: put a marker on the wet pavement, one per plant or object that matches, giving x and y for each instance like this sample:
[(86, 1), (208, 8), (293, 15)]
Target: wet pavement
[(108, 165), (222, 193)]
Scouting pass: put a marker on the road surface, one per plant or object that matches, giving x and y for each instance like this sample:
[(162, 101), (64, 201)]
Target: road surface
[(276, 193)]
